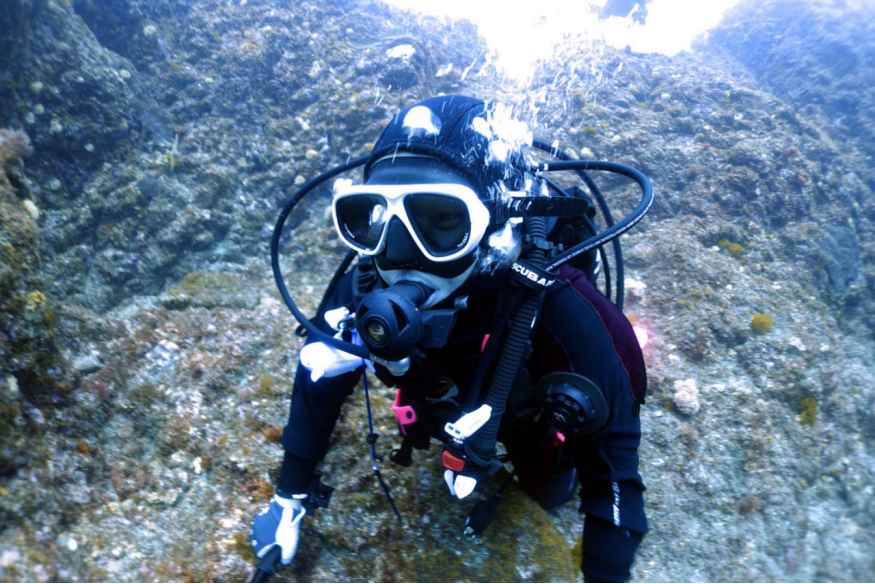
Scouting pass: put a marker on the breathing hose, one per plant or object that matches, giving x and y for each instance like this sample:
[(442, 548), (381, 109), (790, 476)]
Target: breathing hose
[(603, 207), (482, 443), (312, 329), (601, 249), (618, 228)]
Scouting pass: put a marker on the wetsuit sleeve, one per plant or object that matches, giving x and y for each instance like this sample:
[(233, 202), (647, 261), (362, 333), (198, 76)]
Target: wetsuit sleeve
[(611, 496), (314, 411), (608, 551), (586, 334)]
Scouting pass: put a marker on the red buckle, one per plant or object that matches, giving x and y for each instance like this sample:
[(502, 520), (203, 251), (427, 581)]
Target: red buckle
[(453, 462)]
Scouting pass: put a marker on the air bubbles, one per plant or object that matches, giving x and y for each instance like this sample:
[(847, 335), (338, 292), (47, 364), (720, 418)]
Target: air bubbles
[(444, 70), (504, 247), (507, 134), (401, 52), (341, 185)]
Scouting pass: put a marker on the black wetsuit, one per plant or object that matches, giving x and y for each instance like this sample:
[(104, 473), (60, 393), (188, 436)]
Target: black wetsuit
[(579, 330)]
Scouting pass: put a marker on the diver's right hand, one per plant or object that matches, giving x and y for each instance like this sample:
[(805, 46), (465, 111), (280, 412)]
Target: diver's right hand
[(279, 524)]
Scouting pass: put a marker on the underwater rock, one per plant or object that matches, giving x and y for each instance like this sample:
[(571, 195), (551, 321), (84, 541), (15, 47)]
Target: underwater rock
[(86, 364), (191, 86), (34, 370), (827, 79), (27, 344), (686, 396), (841, 257), (72, 90), (521, 545), (211, 290), (156, 213)]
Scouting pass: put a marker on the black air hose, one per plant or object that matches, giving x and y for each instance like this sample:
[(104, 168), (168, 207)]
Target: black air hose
[(606, 213), (301, 331), (313, 329), (492, 346), (591, 225), (482, 443)]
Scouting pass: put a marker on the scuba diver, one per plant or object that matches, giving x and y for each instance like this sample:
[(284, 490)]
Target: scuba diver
[(474, 293)]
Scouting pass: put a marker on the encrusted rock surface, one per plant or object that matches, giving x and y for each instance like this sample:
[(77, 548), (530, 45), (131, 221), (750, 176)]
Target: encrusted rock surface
[(147, 358), (34, 372)]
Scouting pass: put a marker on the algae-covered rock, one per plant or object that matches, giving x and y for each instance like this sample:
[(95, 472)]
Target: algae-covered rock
[(168, 136), (210, 290), (27, 343), (74, 97), (521, 545), (33, 371)]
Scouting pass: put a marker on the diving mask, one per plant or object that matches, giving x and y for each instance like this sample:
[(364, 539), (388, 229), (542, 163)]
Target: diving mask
[(445, 221)]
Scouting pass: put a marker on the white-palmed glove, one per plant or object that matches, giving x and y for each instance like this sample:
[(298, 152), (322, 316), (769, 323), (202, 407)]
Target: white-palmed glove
[(461, 476), (323, 360), (278, 524), (460, 485)]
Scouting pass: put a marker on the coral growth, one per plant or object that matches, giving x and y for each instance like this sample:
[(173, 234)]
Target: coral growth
[(14, 145), (265, 386), (736, 249), (686, 396), (761, 323), (808, 413)]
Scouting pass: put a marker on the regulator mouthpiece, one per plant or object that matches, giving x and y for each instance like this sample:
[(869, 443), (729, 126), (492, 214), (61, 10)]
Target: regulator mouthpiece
[(389, 321), (392, 326)]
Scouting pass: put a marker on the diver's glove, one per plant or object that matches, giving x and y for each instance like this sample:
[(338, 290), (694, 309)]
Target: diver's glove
[(463, 469), (279, 524), (461, 485), (323, 360)]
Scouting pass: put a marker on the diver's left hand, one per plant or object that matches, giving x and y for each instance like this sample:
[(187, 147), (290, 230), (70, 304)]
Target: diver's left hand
[(279, 524)]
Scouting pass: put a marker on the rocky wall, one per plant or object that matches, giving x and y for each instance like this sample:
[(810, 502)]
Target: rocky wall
[(153, 187)]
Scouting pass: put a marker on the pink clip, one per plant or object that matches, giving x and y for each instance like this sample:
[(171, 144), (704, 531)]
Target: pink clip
[(561, 436), (405, 414), (485, 340)]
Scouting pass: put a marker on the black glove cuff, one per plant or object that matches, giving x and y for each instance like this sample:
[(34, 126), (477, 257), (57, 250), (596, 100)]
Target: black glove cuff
[(295, 475)]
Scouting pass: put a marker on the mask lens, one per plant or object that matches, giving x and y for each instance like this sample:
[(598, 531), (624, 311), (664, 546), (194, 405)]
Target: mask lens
[(442, 222), (362, 219)]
